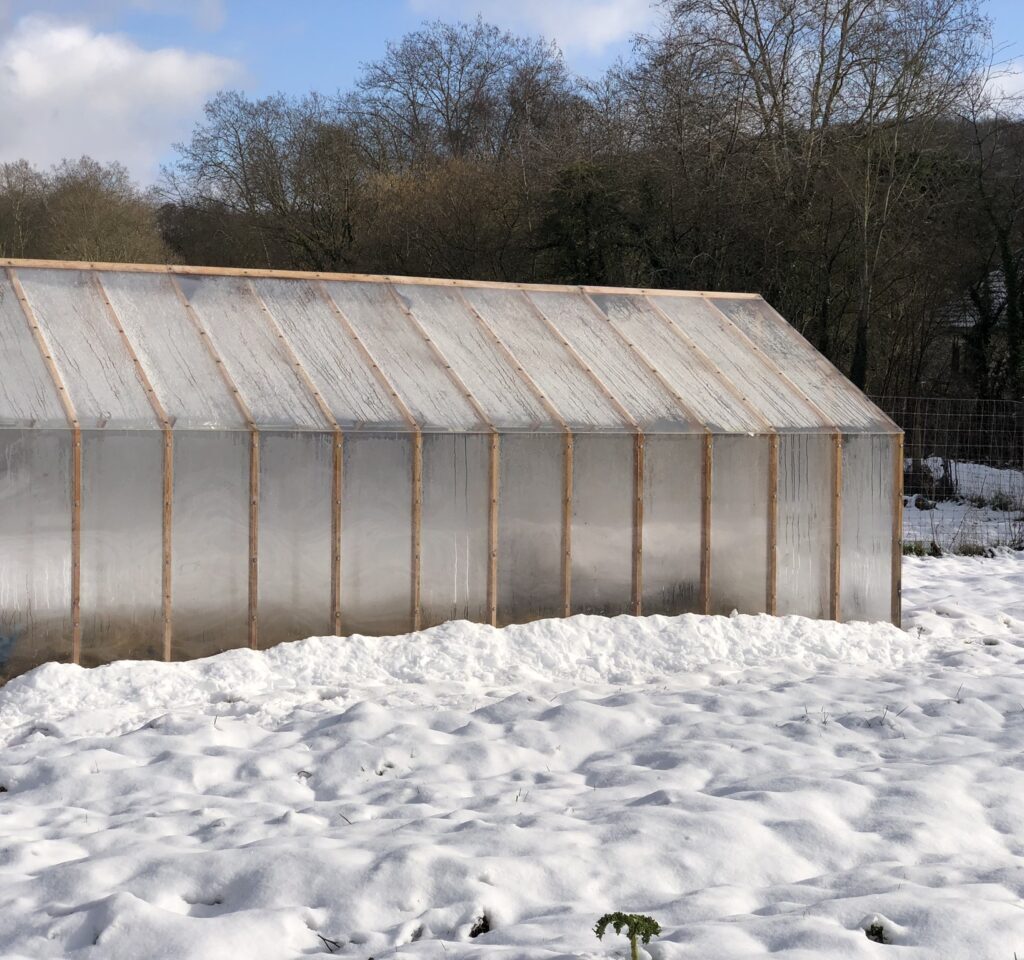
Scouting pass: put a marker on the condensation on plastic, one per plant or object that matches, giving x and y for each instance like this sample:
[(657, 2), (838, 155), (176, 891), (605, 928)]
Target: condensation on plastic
[(404, 358), (35, 530), (376, 534), (673, 470), (253, 356), (701, 390), (122, 546), (602, 525), (756, 380), (179, 367), (294, 574), (90, 356), (804, 532), (502, 393), (608, 355), (210, 555), (739, 524), (578, 400), (530, 495), (865, 564), (330, 356), (454, 540), (840, 401), (28, 396)]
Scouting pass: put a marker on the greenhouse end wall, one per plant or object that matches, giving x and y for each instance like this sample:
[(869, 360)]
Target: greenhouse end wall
[(195, 459), (499, 528)]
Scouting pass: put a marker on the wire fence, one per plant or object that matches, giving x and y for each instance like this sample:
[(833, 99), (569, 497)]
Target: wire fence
[(963, 473)]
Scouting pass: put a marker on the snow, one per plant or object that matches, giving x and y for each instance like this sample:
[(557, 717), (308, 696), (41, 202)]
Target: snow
[(971, 520), (760, 786)]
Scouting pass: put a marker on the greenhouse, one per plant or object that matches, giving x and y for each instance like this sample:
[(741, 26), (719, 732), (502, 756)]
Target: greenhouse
[(194, 459)]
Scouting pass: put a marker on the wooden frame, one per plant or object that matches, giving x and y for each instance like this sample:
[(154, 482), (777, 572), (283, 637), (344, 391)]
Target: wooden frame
[(896, 614), (196, 271), (75, 493), (705, 523), (835, 607)]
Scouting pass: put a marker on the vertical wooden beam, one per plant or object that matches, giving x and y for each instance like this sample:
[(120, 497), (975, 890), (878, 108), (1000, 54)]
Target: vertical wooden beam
[(835, 610), (705, 525), (567, 528), (75, 493), (337, 479), (417, 527), (494, 467), (167, 532), (897, 535), (773, 524), (638, 524), (254, 537)]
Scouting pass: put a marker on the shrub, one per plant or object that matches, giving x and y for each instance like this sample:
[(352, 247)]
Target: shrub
[(636, 924)]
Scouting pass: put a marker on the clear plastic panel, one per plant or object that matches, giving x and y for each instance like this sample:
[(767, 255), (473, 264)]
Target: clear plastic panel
[(502, 393), (184, 376), (454, 539), (739, 525), (844, 405), (616, 366), (35, 540), (294, 596), (703, 392), (95, 365), (673, 475), (804, 533), (28, 397), (405, 359), (865, 562), (748, 371), (329, 356), (255, 359), (376, 534), (545, 359), (210, 555), (122, 546), (602, 525), (530, 495)]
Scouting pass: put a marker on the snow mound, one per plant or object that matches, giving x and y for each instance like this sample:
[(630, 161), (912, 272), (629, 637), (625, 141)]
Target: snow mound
[(578, 650)]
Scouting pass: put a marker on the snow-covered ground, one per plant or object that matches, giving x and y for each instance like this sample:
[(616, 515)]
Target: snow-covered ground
[(760, 786), (988, 510)]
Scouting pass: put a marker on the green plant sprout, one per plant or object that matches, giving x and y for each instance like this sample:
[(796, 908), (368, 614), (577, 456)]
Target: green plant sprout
[(636, 924)]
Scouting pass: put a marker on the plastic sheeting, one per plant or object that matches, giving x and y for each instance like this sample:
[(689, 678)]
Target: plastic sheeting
[(673, 507), (866, 552), (530, 497), (122, 546), (739, 525), (454, 528), (35, 530)]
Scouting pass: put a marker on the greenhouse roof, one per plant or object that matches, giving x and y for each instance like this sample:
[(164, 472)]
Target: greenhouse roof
[(128, 347)]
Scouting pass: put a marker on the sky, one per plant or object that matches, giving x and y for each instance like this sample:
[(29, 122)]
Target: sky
[(124, 79)]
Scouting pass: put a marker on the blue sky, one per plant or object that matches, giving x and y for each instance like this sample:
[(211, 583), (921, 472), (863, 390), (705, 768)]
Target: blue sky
[(122, 79)]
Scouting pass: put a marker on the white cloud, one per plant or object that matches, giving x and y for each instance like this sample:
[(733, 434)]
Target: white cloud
[(579, 26), (68, 90)]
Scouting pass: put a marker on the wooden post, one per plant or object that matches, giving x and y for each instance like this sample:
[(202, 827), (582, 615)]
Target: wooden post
[(835, 609), (567, 528), (638, 524), (897, 535), (773, 524), (417, 526), (494, 466), (705, 524), (337, 477)]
